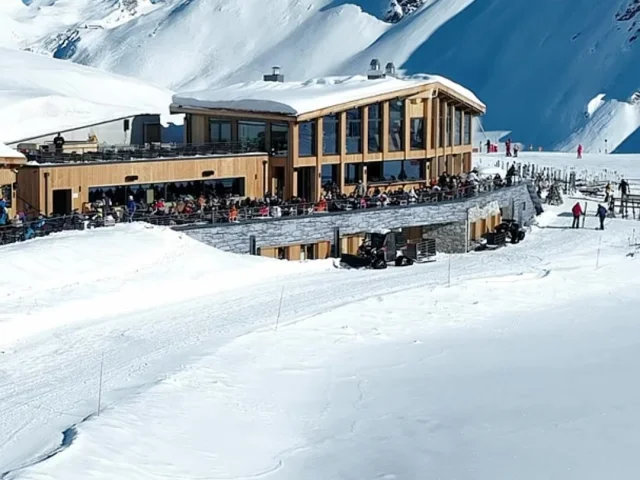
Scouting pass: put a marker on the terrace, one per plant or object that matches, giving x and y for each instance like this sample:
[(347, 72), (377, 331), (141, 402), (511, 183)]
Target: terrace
[(135, 153)]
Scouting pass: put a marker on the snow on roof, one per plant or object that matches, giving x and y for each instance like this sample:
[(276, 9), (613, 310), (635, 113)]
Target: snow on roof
[(299, 98), (8, 152), (42, 95)]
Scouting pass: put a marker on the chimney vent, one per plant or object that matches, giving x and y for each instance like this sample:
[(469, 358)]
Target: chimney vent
[(275, 76), (390, 69), (374, 70)]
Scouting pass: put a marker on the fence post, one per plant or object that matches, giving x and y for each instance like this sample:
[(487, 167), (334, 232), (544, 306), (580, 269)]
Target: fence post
[(252, 245), (336, 242)]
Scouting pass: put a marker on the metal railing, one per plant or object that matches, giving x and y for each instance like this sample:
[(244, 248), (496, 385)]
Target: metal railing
[(131, 153), (26, 230)]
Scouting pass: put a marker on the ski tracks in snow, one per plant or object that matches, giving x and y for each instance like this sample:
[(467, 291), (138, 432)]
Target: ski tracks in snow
[(52, 380)]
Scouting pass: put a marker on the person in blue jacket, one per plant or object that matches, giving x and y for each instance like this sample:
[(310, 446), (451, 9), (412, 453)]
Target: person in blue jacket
[(4, 216), (131, 207), (601, 213)]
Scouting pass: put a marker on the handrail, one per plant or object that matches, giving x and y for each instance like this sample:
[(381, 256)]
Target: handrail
[(127, 153)]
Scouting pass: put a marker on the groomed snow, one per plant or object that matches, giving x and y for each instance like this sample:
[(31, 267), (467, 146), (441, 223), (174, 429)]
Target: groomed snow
[(40, 95), (521, 368), (8, 152), (298, 98)]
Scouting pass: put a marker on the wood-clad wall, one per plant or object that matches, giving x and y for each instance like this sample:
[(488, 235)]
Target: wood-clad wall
[(80, 177)]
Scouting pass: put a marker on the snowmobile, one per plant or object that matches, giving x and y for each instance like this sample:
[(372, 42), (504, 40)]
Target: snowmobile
[(380, 249), (512, 229)]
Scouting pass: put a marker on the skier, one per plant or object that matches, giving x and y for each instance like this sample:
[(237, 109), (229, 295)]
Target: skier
[(624, 188), (580, 151), (58, 143), (515, 150), (601, 213), (577, 213), (507, 144), (488, 146)]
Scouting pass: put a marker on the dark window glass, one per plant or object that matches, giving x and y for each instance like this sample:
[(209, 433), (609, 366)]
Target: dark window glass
[(307, 139), (352, 173), (252, 134), (457, 128), (396, 171), (375, 128), (5, 194), (220, 131), (441, 128), (396, 125), (447, 127), (330, 175), (417, 133), (467, 129), (354, 130), (279, 138), (170, 191), (330, 135)]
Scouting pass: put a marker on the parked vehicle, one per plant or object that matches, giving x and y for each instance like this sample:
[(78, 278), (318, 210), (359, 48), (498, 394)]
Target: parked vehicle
[(380, 249)]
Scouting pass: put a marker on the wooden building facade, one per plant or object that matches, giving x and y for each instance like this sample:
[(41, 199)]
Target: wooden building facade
[(405, 137)]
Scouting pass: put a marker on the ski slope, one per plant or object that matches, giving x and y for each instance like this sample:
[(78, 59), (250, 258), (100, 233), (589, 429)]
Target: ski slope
[(40, 95), (390, 374), (536, 64)]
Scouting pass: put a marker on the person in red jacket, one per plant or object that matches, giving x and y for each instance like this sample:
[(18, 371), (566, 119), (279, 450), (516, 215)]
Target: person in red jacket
[(580, 151), (577, 213)]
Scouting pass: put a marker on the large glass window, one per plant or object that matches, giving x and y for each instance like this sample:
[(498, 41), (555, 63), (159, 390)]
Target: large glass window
[(354, 130), (375, 128), (170, 191), (467, 128), (220, 131), (330, 175), (279, 138), (330, 134), (252, 134), (307, 139), (352, 173), (396, 125), (396, 171), (447, 126), (441, 127), (417, 133), (457, 128)]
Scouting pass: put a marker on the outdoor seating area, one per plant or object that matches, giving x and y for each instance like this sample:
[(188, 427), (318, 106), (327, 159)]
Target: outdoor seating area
[(188, 210)]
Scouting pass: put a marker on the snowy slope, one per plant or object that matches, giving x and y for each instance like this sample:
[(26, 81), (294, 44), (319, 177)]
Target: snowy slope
[(537, 64), (42, 95), (388, 374)]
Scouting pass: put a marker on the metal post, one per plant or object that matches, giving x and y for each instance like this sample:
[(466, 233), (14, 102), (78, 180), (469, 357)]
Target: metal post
[(252, 245), (279, 308), (337, 248), (100, 386)]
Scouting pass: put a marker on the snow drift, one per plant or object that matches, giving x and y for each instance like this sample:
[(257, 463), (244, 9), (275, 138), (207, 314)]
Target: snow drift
[(42, 95)]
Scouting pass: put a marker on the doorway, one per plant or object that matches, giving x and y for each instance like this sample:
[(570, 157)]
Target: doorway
[(278, 182), (306, 183), (62, 202), (152, 133)]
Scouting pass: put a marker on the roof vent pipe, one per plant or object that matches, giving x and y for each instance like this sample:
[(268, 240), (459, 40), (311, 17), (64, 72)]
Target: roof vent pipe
[(275, 76), (390, 69), (374, 70)]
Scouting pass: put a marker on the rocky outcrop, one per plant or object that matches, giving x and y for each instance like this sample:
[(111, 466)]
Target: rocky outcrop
[(631, 14), (398, 9)]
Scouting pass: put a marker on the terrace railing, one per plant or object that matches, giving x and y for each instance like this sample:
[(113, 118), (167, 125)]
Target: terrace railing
[(41, 227), (131, 153)]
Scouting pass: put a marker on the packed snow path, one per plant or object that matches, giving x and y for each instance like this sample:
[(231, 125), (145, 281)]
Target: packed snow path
[(49, 381)]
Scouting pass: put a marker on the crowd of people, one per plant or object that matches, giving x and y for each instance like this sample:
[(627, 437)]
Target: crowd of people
[(214, 208)]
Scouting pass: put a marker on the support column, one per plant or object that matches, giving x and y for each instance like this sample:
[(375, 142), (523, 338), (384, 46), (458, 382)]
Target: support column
[(342, 132), (318, 177), (385, 129), (290, 176)]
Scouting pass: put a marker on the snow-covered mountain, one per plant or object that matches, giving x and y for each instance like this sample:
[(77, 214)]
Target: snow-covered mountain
[(537, 65)]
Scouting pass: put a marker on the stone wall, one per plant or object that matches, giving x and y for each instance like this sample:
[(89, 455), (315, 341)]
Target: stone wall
[(450, 237), (320, 227)]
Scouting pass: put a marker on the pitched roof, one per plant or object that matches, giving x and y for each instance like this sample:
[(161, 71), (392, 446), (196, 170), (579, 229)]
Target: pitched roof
[(299, 98)]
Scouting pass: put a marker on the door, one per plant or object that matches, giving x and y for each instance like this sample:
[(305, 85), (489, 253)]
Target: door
[(278, 181), (62, 202), (152, 133), (306, 184)]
